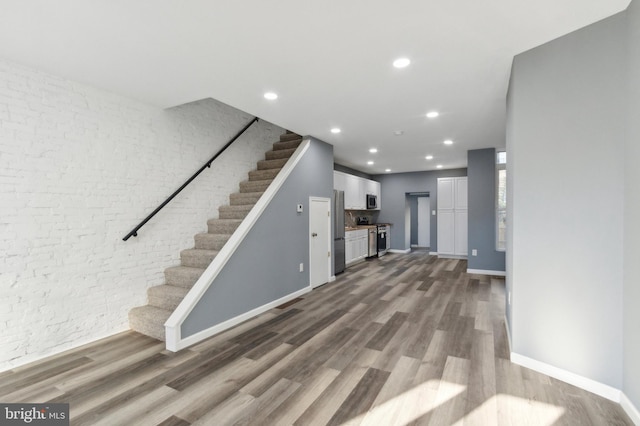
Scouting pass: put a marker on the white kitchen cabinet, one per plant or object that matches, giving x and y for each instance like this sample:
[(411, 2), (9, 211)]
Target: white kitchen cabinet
[(372, 187), (339, 181), (356, 245), (354, 198), (452, 216), (355, 190)]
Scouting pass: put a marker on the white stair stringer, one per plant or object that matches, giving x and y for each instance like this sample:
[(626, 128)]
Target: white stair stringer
[(173, 325)]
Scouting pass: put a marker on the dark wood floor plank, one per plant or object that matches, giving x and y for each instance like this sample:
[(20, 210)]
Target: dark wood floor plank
[(361, 397)]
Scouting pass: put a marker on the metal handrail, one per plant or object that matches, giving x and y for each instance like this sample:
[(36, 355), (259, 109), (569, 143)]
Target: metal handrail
[(134, 231)]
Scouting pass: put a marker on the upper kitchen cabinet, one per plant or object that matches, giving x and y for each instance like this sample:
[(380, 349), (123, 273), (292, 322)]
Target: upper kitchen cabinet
[(355, 190)]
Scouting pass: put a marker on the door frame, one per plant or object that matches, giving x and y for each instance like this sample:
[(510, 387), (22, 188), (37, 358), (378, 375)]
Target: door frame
[(329, 238)]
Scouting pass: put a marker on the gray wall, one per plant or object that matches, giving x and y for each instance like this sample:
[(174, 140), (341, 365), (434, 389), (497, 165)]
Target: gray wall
[(394, 188), (349, 170), (566, 110), (631, 372), (481, 171), (265, 267)]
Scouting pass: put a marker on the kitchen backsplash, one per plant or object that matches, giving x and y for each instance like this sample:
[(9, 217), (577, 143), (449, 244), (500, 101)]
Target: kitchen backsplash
[(351, 217)]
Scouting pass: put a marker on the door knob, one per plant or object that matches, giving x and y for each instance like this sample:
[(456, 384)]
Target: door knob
[(314, 235)]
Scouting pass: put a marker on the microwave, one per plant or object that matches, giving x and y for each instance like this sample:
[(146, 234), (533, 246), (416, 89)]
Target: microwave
[(372, 201)]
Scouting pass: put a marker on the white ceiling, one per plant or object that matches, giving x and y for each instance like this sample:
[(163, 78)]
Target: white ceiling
[(329, 61)]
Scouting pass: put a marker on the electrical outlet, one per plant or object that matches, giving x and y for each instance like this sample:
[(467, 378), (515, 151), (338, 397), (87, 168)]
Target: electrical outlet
[(302, 267), (474, 252)]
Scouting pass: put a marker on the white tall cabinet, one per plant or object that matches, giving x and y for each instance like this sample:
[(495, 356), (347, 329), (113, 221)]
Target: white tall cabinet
[(452, 216)]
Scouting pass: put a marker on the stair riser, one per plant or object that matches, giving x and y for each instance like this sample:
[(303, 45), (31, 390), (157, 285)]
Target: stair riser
[(210, 241), (214, 227), (147, 328), (168, 303), (181, 279), (233, 214), (286, 145), (282, 153), (243, 199), (195, 260), (255, 186), (289, 136), (263, 174), (272, 164)]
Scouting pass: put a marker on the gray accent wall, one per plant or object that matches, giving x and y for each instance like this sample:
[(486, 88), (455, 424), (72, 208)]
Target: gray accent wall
[(631, 365), (395, 205), (565, 141), (481, 172), (265, 267)]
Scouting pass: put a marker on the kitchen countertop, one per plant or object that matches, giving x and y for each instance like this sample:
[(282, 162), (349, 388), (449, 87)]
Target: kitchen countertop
[(355, 228)]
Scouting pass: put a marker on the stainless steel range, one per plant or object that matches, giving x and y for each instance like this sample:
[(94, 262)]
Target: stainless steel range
[(383, 240)]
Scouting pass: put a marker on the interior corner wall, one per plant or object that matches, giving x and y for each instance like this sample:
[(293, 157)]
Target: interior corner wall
[(565, 136), (265, 267), (631, 367), (79, 168), (481, 171), (394, 189)]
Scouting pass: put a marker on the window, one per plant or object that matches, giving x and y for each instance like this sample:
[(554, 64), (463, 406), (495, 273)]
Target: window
[(501, 201)]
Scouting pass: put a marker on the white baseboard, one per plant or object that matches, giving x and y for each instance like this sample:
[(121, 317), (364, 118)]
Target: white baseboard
[(332, 278), (451, 256), (400, 251), (630, 409), (433, 253), (487, 272), (582, 382), (212, 331), (414, 245)]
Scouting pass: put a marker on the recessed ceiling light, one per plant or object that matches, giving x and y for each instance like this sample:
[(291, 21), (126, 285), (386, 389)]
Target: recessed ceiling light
[(373, 150), (271, 96), (433, 114), (401, 62), (387, 170), (399, 132), (335, 130), (429, 157), (370, 163), (448, 142), (439, 166)]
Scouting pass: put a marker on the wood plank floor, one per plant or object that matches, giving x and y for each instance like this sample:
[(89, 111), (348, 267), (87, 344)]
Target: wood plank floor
[(404, 339)]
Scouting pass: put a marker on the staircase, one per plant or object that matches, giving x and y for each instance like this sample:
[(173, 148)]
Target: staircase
[(164, 299)]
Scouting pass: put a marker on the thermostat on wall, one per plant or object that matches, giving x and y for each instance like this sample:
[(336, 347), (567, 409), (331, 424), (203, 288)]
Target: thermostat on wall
[(299, 208)]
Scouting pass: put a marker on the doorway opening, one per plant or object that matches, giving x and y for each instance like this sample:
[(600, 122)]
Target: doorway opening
[(419, 209)]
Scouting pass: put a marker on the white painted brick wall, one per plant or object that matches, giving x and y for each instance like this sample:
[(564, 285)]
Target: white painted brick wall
[(79, 168)]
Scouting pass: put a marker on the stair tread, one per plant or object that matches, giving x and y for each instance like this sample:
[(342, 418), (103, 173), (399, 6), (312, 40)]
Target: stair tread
[(200, 251), (225, 221), (241, 207), (276, 163), (280, 153), (168, 290), (187, 269)]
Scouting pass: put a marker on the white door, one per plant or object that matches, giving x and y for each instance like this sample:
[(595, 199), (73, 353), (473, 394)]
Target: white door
[(424, 221), (319, 241)]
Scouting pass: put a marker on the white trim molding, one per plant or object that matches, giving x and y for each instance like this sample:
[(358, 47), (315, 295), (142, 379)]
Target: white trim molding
[(400, 251), (173, 325), (582, 382), (487, 272), (218, 328), (630, 409), (433, 253)]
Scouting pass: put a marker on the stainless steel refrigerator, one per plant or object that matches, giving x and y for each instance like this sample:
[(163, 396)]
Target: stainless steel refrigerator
[(338, 231)]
